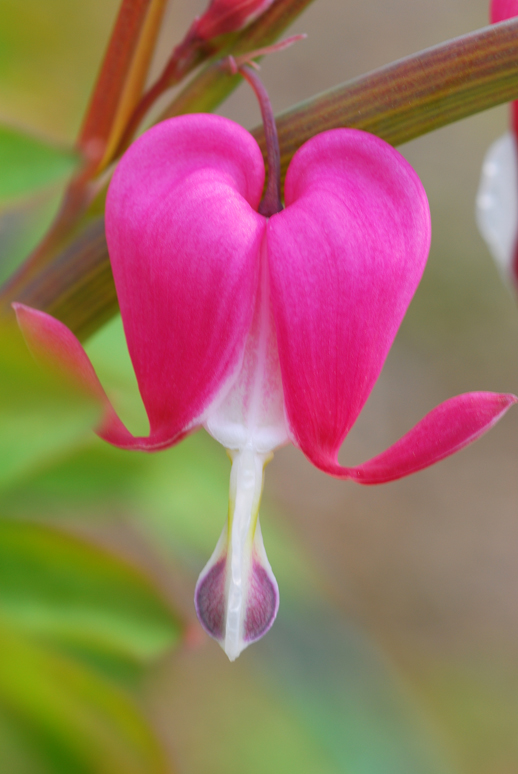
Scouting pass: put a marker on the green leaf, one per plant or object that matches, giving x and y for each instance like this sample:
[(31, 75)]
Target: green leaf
[(475, 700), (28, 164), (22, 225), (74, 593), (226, 719), (69, 718), (314, 695), (344, 691)]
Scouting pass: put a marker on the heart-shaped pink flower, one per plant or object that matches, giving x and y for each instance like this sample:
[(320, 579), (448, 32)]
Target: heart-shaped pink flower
[(263, 330)]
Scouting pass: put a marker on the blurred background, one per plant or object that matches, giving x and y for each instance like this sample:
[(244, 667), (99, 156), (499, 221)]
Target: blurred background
[(396, 645)]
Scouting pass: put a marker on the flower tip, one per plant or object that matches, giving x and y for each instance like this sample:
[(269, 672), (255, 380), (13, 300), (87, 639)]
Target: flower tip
[(21, 311), (237, 597), (508, 400), (236, 620)]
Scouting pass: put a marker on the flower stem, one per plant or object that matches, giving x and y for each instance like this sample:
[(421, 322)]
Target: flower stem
[(271, 202)]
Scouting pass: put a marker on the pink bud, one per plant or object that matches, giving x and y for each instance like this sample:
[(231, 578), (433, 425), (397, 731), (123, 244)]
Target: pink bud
[(228, 16)]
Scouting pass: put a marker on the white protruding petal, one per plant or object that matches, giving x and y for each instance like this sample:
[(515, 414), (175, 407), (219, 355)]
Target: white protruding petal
[(236, 595), (497, 201), (250, 413)]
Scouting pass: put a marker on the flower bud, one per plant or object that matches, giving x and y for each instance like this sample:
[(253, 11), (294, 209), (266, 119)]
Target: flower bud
[(228, 16)]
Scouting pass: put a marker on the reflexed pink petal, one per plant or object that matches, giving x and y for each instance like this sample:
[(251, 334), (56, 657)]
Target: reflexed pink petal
[(445, 430), (345, 257), (503, 9), (184, 242), (53, 344)]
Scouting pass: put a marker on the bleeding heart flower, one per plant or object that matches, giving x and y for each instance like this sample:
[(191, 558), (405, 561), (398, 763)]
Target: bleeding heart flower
[(497, 197), (263, 330), (223, 16)]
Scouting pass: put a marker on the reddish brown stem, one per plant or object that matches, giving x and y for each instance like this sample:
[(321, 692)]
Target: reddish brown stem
[(112, 77), (271, 202)]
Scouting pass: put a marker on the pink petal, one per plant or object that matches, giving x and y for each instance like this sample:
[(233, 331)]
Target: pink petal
[(55, 345), (345, 257), (503, 9), (184, 242), (445, 430)]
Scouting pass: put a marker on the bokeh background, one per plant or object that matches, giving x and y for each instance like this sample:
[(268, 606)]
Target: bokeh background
[(396, 644)]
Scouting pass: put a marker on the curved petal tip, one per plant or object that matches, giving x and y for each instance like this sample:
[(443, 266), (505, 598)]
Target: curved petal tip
[(54, 345), (447, 429)]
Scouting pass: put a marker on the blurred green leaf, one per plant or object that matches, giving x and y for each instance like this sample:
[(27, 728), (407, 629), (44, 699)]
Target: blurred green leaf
[(33, 173), (69, 718), (314, 696), (350, 698), (475, 699), (17, 757), (75, 593), (224, 719), (40, 415), (22, 225), (49, 56), (28, 164)]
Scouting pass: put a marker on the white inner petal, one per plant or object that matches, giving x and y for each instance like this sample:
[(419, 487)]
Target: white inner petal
[(249, 413), (236, 595), (497, 201), (246, 482)]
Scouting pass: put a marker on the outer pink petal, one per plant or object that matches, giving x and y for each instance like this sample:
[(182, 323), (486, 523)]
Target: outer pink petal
[(184, 244), (345, 257), (503, 9), (444, 431), (54, 344)]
